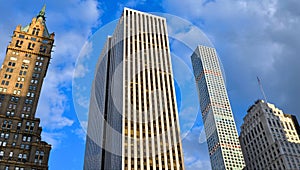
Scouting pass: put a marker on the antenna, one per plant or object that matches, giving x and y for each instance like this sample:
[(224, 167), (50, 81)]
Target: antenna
[(261, 89)]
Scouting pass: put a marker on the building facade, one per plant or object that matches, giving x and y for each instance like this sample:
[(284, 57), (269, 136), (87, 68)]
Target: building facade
[(270, 138), (221, 134), (133, 118), (22, 74)]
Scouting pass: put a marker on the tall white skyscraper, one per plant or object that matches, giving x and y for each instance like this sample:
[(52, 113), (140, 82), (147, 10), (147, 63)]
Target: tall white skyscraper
[(133, 117), (221, 134), (270, 139)]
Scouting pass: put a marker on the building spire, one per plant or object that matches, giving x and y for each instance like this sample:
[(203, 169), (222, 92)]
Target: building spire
[(42, 12)]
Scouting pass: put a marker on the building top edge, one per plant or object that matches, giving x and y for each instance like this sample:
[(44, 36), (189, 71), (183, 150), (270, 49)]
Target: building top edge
[(144, 13)]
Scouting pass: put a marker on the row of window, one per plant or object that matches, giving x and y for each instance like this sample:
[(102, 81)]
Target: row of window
[(31, 46)]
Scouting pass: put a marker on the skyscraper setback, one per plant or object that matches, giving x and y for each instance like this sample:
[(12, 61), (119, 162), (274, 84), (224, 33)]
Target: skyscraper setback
[(22, 74), (221, 134), (270, 139), (133, 118)]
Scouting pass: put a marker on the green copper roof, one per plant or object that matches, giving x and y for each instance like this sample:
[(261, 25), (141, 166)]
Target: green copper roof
[(42, 13), (41, 17), (25, 29)]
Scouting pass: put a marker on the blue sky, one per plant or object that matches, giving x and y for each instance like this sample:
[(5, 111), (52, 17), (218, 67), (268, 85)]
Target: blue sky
[(253, 38)]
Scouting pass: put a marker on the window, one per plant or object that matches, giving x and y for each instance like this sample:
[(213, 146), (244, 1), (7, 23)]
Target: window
[(30, 94), (25, 156), (33, 31), (45, 41), (37, 69), (21, 36), (7, 76), (34, 81), (16, 53), (30, 46), (19, 125), (19, 43), (26, 138), (4, 82), (6, 124), (11, 64), (4, 143), (37, 31), (6, 136), (27, 55), (24, 66), (43, 49), (20, 156), (10, 70)]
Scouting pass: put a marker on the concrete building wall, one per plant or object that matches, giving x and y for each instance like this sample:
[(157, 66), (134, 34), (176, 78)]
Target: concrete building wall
[(269, 138)]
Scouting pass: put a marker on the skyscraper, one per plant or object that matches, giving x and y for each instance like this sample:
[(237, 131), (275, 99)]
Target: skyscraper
[(221, 134), (22, 74), (133, 119), (270, 139)]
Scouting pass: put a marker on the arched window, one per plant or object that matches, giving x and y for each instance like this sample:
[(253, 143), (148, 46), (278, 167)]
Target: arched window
[(37, 31), (33, 31)]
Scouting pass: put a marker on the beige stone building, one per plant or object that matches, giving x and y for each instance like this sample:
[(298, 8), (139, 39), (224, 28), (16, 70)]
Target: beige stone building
[(21, 78), (270, 138)]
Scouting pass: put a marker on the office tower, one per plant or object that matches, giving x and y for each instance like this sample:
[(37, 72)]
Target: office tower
[(133, 118), (22, 74), (221, 134), (270, 138)]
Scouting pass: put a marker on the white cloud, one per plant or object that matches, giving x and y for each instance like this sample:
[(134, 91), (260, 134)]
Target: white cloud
[(72, 26), (198, 164), (252, 38), (81, 66), (81, 133), (83, 101), (73, 22), (195, 150), (53, 138)]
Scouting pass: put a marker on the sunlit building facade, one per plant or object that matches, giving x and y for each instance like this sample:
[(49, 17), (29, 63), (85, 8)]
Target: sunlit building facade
[(133, 118), (21, 77), (270, 138), (221, 134)]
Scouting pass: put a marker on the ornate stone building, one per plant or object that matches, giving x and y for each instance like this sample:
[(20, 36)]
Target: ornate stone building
[(22, 74), (270, 139)]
